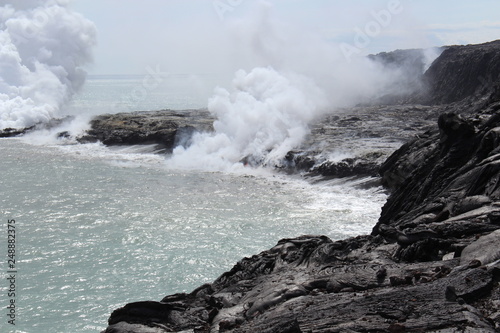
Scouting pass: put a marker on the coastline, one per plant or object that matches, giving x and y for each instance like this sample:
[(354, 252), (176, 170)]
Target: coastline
[(430, 263), (427, 266)]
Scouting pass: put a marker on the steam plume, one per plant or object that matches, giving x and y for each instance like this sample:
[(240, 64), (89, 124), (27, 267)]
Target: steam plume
[(43, 48), (297, 77), (260, 120)]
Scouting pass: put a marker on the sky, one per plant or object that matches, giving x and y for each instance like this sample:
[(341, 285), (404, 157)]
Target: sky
[(212, 36)]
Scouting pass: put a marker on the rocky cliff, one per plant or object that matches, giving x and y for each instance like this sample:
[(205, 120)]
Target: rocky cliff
[(431, 264), (463, 71)]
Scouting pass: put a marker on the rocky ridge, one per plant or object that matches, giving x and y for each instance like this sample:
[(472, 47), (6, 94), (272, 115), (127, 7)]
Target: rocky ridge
[(431, 264)]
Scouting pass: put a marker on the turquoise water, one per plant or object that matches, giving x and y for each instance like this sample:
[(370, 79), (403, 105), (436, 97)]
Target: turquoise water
[(96, 233), (97, 228)]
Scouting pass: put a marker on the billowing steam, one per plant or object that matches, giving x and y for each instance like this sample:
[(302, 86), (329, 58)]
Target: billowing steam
[(258, 122), (43, 45), (266, 113)]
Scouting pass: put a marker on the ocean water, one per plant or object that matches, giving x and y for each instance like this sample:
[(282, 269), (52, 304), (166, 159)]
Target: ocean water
[(145, 92), (99, 227)]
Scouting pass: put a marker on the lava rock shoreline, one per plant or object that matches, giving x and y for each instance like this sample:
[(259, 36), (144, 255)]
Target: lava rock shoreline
[(166, 129), (431, 263)]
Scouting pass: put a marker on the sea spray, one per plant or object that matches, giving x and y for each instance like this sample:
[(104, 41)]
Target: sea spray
[(264, 116), (44, 46)]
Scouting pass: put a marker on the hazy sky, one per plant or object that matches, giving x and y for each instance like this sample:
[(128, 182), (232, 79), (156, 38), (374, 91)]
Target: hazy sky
[(210, 36)]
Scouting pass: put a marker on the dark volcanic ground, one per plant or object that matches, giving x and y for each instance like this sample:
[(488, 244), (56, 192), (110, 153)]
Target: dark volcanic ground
[(356, 141)]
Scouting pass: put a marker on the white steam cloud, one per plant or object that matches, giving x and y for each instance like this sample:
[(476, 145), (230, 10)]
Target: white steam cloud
[(295, 78), (43, 46), (264, 117)]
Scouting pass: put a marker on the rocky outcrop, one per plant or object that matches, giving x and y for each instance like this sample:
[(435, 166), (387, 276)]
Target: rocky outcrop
[(53, 123), (165, 128), (459, 72), (463, 71), (446, 186), (355, 142), (312, 284), (13, 132)]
